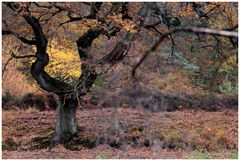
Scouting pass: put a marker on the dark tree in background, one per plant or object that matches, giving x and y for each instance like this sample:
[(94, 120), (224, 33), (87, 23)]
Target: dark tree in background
[(36, 24)]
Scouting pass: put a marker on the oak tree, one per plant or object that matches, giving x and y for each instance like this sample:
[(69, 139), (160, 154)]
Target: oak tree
[(42, 25)]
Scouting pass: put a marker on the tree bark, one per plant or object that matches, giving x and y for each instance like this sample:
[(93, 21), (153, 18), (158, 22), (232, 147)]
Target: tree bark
[(66, 125)]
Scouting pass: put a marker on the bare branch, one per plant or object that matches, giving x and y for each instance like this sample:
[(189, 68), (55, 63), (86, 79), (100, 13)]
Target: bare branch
[(85, 41), (191, 29), (16, 57), (5, 65), (232, 28), (212, 9), (22, 56), (94, 10), (73, 19)]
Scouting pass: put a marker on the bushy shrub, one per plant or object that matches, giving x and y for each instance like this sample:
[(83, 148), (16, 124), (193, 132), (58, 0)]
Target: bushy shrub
[(98, 83), (230, 83), (39, 101), (10, 99)]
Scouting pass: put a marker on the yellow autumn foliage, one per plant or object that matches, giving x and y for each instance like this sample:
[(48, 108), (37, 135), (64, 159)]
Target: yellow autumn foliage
[(231, 61), (125, 24), (64, 61)]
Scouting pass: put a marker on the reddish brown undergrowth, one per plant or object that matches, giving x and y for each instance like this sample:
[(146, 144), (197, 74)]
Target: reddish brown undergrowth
[(123, 133)]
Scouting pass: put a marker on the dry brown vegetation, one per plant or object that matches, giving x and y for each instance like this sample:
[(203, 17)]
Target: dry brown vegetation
[(108, 133)]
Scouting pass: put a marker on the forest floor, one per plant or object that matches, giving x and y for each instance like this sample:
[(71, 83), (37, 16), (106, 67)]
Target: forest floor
[(125, 133)]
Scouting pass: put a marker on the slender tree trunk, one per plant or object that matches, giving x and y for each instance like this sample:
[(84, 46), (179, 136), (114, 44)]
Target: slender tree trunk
[(66, 125)]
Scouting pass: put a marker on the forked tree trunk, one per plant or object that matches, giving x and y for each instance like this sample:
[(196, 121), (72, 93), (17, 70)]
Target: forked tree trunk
[(66, 120), (66, 125)]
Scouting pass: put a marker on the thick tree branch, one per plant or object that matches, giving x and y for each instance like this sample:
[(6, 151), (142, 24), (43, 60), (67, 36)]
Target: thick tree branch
[(124, 11), (122, 48), (88, 75), (199, 30), (116, 55), (44, 80), (94, 10), (24, 40), (22, 56), (153, 25), (85, 41)]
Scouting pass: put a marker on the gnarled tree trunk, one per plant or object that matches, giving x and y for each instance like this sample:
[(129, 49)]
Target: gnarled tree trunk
[(66, 125), (66, 120)]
